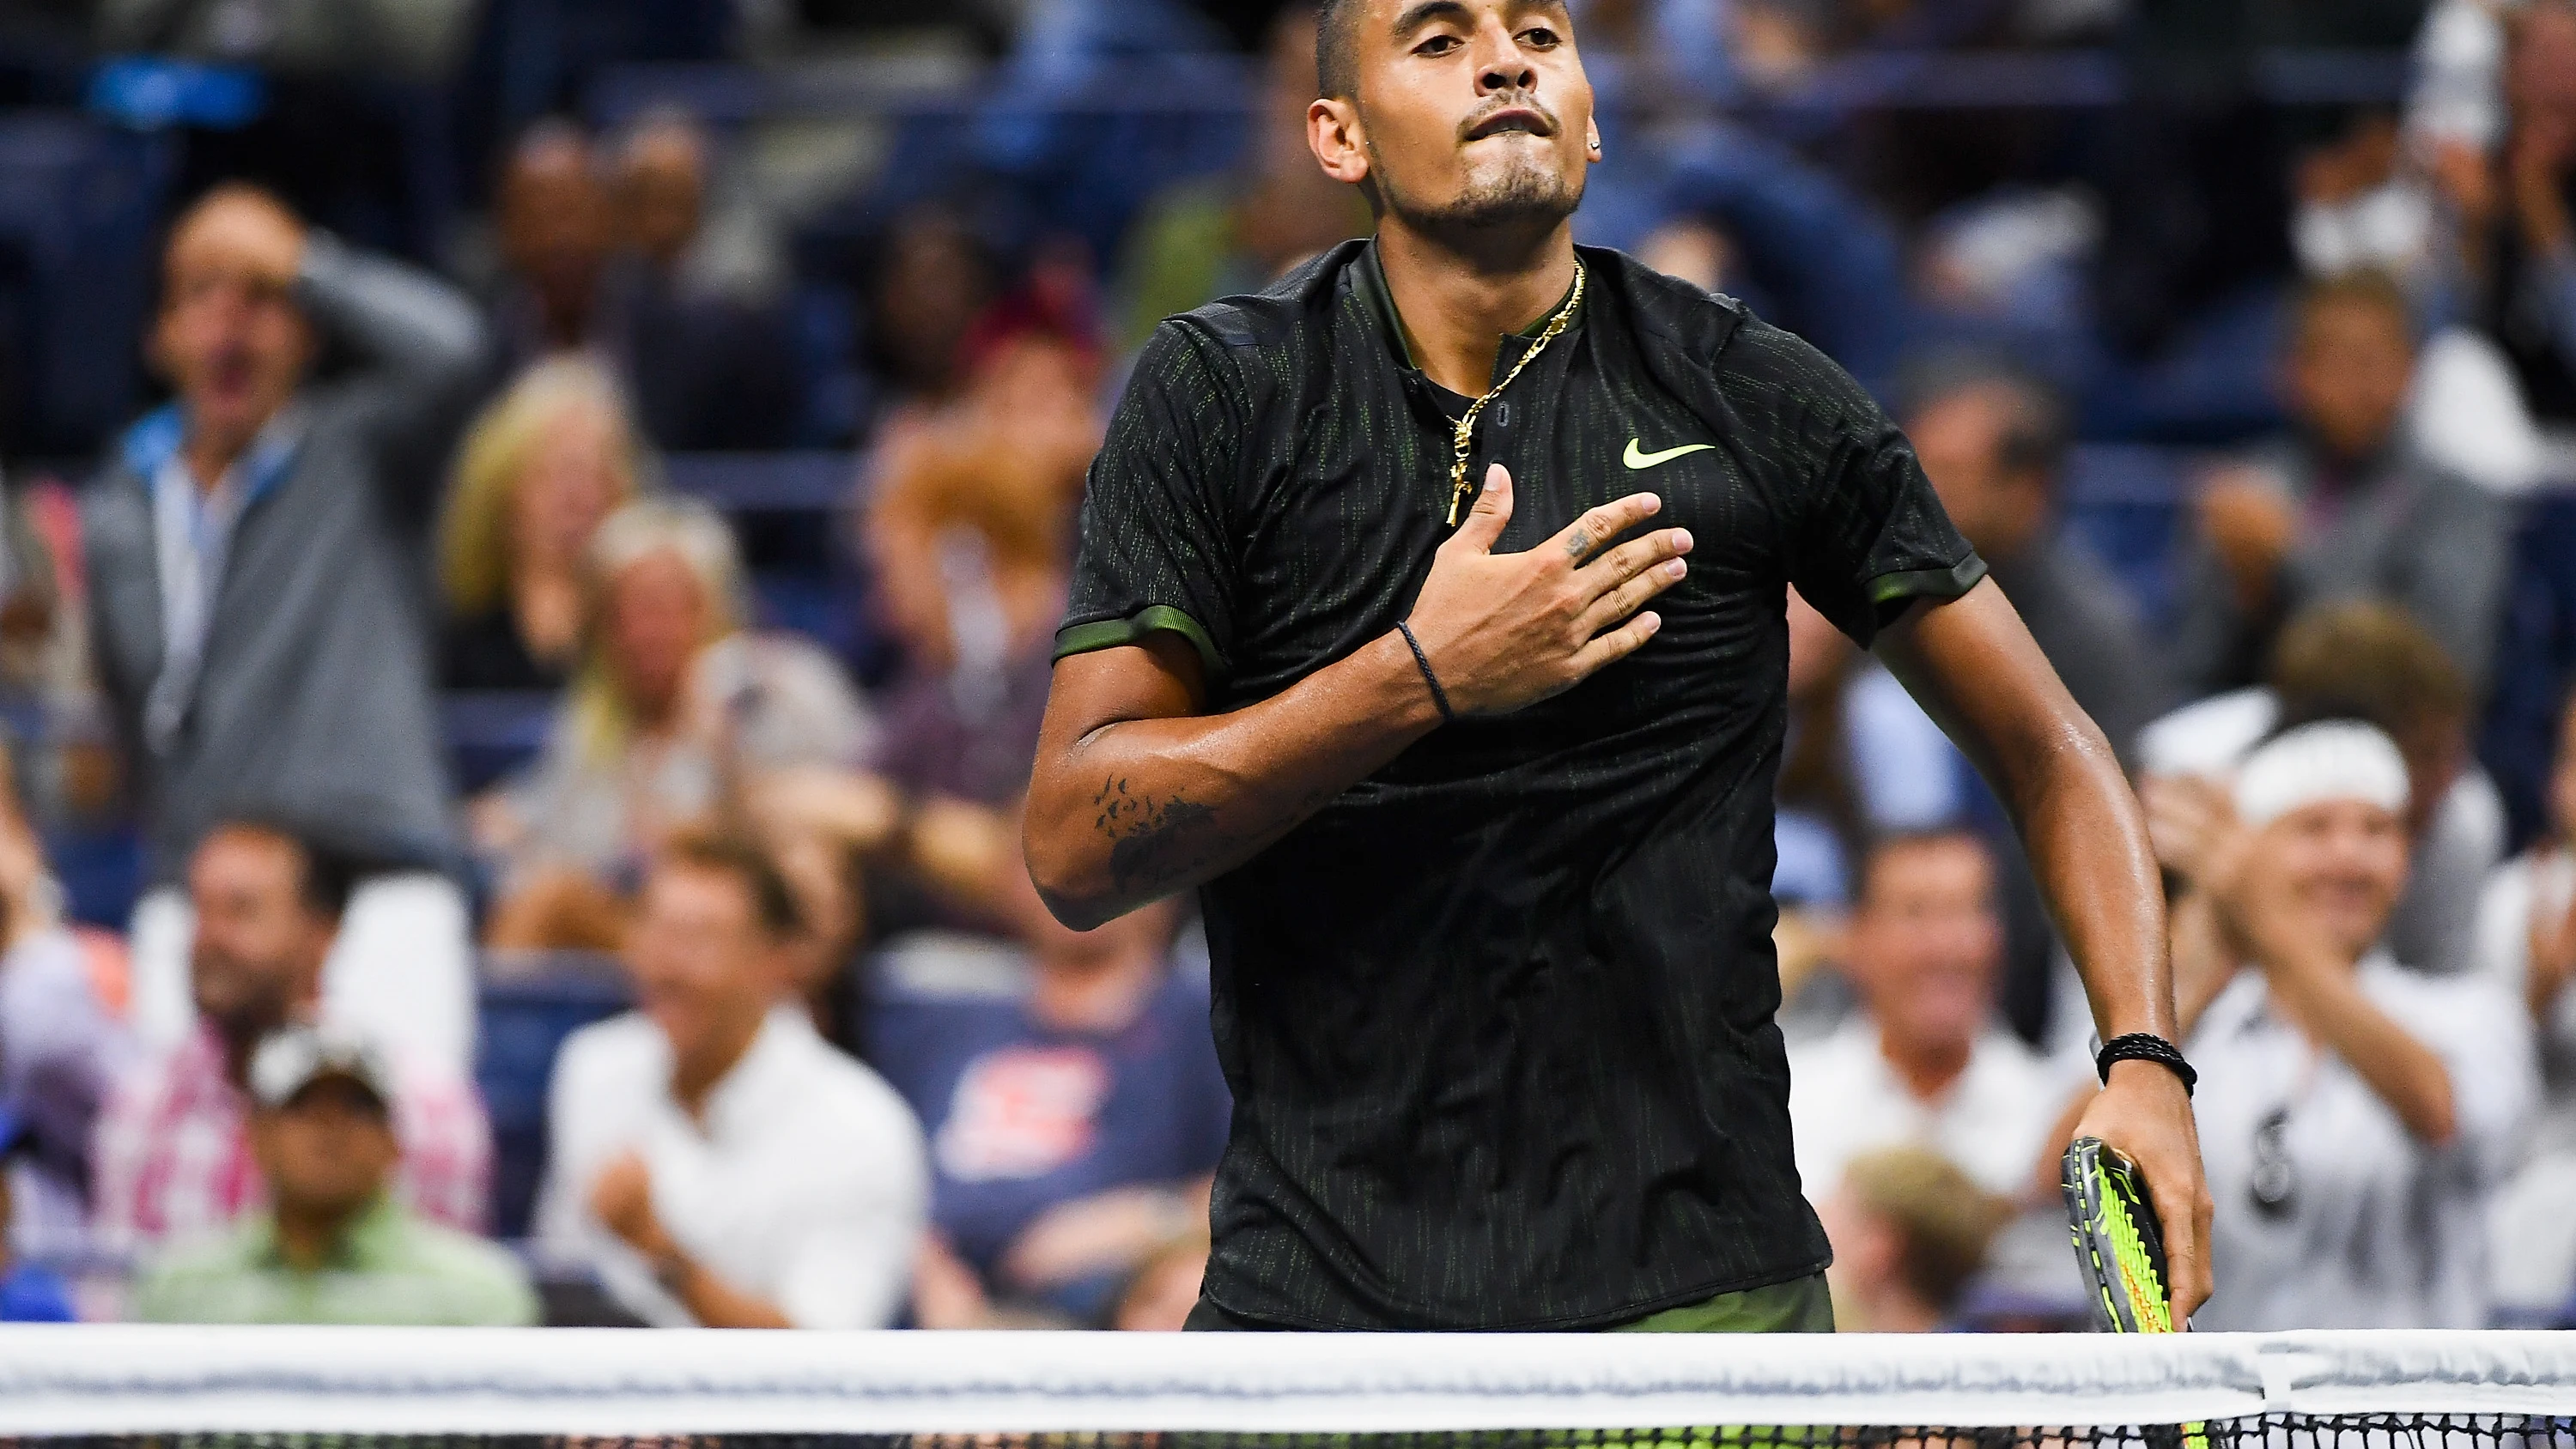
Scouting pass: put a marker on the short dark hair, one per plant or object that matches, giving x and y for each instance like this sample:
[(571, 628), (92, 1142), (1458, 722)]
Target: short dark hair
[(2371, 661), (325, 875), (2036, 433), (773, 901), (1337, 61)]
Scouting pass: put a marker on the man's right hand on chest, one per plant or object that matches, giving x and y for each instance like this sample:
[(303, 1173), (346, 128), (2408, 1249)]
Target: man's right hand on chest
[(1501, 631)]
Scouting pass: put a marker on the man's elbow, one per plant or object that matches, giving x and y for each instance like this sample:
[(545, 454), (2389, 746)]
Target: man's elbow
[(1071, 892)]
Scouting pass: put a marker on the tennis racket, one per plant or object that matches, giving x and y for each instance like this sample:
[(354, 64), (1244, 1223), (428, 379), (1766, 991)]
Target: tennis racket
[(2118, 1242)]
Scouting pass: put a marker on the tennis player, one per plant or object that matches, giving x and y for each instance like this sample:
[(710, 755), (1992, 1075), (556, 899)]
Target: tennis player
[(1429, 619)]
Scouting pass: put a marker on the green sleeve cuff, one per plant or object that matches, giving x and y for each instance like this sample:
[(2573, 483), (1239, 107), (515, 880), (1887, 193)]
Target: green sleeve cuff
[(1950, 583), (1111, 633)]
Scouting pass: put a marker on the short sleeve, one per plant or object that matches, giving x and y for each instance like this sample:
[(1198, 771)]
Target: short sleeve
[(1865, 533), (1155, 551)]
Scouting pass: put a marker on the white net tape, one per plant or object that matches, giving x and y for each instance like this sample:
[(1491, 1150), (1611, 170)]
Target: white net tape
[(137, 1380)]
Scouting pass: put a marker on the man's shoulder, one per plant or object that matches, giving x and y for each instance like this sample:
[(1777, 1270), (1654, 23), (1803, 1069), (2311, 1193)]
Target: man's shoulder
[(221, 1259), (182, 1078), (627, 1042), (1232, 342), (607, 1070), (115, 508), (1759, 369), (460, 1257), (1703, 325), (846, 1096)]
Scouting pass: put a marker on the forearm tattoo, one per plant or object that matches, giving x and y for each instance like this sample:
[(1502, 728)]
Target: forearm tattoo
[(1154, 844)]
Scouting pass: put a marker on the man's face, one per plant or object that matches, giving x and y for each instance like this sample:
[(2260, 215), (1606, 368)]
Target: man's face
[(662, 189), (229, 338), (2540, 76), (2348, 372), (259, 948), (1468, 113), (1959, 439), (1925, 943), (704, 969), (2345, 863), (556, 218), (328, 1152)]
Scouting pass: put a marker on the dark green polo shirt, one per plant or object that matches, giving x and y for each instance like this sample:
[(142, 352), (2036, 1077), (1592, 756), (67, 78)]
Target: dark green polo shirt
[(1498, 1019)]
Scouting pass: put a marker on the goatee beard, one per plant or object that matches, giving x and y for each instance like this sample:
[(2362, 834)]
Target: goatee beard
[(1527, 197)]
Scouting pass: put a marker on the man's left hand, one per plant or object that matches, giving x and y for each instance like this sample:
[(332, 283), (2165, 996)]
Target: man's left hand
[(2145, 1113)]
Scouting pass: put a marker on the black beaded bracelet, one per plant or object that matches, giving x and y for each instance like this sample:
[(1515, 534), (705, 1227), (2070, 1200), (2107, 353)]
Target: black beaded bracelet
[(1439, 696), (2141, 1046)]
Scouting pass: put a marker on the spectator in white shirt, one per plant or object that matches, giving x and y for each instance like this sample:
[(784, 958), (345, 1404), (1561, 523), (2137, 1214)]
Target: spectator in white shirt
[(2355, 1116), (1924, 1063), (713, 1159)]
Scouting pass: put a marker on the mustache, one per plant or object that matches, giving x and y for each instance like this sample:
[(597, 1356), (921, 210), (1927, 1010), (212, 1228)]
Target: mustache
[(1492, 120)]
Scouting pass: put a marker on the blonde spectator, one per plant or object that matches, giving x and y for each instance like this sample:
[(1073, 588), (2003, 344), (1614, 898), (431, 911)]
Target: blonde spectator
[(540, 470), (1910, 1232), (678, 712)]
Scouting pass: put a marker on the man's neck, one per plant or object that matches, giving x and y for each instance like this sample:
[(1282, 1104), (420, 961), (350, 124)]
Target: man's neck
[(694, 1077), (1927, 1069), (308, 1237), (210, 456), (1457, 296)]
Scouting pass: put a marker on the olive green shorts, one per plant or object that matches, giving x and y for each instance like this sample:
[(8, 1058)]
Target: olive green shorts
[(1800, 1305)]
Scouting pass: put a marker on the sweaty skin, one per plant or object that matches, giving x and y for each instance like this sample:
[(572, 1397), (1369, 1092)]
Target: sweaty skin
[(1470, 123)]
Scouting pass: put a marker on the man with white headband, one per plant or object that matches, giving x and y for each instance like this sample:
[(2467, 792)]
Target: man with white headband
[(2355, 1115)]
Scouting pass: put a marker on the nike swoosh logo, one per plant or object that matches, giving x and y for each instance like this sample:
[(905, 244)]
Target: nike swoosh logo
[(1635, 459)]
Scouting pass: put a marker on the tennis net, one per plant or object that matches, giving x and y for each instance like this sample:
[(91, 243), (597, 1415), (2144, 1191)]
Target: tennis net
[(478, 1389)]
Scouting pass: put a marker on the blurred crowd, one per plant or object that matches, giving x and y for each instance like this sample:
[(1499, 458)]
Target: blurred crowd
[(723, 997)]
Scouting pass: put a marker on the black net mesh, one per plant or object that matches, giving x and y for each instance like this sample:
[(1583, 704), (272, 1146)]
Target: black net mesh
[(2270, 1431)]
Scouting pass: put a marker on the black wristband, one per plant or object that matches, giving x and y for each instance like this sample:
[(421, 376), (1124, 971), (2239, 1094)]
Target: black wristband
[(2140, 1046), (1439, 696)]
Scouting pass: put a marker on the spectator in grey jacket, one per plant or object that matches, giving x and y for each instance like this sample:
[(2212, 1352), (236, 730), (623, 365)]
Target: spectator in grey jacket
[(2342, 508), (1993, 441), (259, 601)]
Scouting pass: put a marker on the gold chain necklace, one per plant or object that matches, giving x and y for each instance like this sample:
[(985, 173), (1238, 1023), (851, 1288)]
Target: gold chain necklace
[(1462, 436)]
